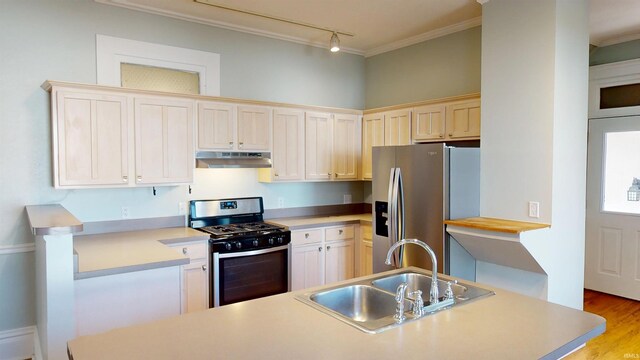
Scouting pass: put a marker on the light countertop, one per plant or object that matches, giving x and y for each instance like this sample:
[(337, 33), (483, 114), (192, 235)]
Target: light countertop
[(499, 225), (120, 252), (502, 326), (297, 223), (52, 219)]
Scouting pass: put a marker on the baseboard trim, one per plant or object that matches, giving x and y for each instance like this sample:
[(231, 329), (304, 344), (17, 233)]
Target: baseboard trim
[(18, 248), (19, 344)]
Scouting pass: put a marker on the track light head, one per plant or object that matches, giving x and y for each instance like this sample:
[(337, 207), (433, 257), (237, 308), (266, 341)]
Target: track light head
[(334, 44)]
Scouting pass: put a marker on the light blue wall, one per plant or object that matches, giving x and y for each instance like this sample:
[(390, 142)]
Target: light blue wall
[(614, 53), (437, 68), (55, 40)]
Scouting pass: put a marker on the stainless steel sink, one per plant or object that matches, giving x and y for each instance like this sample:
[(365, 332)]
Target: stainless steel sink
[(370, 305)]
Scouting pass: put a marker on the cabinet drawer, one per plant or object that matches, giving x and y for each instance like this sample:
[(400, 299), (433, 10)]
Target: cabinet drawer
[(302, 237), (366, 232), (193, 251), (340, 233)]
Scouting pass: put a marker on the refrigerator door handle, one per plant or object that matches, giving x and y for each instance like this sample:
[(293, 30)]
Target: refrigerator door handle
[(399, 215), (391, 219)]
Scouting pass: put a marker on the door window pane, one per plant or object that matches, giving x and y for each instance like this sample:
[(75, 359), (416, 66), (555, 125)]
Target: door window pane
[(134, 76), (621, 180)]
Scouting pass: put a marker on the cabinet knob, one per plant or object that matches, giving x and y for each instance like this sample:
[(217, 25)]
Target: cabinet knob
[(335, 175), (184, 250), (442, 135), (240, 144), (230, 144), (319, 248), (328, 247), (139, 178), (125, 178), (276, 175), (329, 174), (306, 236), (450, 134), (340, 231), (204, 267)]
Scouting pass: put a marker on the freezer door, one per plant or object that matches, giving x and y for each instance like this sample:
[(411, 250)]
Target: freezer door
[(423, 177), (384, 163)]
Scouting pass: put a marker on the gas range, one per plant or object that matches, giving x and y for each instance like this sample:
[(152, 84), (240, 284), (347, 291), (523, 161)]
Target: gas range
[(236, 225)]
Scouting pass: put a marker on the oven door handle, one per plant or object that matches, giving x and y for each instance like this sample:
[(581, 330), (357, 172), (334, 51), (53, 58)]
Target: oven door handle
[(252, 252)]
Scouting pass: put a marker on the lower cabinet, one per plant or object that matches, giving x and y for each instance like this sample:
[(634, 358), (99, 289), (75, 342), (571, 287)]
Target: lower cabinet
[(194, 277), (322, 256), (366, 251), (103, 303)]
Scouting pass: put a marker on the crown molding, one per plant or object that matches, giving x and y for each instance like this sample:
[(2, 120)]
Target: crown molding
[(429, 35), (224, 25), (618, 40)]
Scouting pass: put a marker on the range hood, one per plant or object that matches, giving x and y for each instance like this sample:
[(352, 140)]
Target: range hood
[(231, 159)]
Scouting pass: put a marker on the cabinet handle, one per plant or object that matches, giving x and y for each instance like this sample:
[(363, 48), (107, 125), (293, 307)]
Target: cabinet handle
[(276, 175), (125, 178), (139, 178), (230, 144), (204, 267), (319, 248), (329, 174), (340, 231), (328, 247), (335, 175), (306, 235), (184, 251), (240, 144)]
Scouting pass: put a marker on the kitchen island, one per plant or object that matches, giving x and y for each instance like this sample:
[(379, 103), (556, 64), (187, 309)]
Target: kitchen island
[(505, 325)]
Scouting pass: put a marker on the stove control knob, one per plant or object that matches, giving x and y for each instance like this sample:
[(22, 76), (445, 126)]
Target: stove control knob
[(280, 240), (271, 241), (255, 242), (227, 246), (239, 245)]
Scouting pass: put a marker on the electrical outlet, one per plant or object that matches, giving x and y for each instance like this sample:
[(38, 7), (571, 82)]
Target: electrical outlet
[(534, 209), (346, 199), (182, 208), (280, 202), (125, 212)]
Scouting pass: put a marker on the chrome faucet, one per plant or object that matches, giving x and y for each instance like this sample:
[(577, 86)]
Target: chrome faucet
[(400, 292), (433, 292)]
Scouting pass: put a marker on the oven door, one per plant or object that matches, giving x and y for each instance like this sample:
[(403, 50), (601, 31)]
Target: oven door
[(241, 276)]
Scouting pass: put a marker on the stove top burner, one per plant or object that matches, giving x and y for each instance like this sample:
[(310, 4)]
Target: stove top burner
[(257, 228)]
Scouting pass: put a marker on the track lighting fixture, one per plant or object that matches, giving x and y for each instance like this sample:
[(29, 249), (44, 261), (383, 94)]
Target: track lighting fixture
[(334, 44)]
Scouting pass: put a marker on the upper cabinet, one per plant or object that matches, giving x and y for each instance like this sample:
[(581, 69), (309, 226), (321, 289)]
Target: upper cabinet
[(397, 127), (107, 138), (231, 127), (463, 120), (216, 126), (318, 146), (91, 139), (163, 140), (372, 135), (428, 122), (287, 154), (332, 146), (254, 124)]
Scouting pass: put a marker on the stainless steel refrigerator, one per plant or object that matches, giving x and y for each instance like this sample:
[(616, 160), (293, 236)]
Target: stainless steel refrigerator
[(415, 188)]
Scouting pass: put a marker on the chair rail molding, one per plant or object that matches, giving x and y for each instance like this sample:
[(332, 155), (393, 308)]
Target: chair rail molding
[(17, 248)]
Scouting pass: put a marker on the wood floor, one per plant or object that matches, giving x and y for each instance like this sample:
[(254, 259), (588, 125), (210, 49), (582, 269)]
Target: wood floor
[(621, 339)]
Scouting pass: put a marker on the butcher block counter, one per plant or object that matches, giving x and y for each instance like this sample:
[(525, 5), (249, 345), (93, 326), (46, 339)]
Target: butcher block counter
[(503, 326)]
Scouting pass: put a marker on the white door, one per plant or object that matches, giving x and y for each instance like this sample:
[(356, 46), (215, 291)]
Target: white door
[(612, 252)]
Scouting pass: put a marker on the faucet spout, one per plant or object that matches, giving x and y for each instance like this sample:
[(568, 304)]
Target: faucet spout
[(433, 293)]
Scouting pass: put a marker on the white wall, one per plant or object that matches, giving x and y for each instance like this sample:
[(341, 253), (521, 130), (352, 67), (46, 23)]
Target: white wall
[(55, 40), (534, 121)]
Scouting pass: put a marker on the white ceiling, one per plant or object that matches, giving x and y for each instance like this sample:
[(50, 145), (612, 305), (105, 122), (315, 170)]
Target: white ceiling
[(378, 25)]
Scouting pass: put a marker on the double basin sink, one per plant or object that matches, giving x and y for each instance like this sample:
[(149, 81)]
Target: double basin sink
[(370, 305)]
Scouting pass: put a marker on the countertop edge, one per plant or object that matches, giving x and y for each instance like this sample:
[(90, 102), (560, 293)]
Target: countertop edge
[(321, 221), (52, 219), (131, 268), (485, 224)]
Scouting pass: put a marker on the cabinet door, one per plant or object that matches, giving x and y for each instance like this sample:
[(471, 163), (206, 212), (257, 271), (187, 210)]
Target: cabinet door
[(366, 251), (254, 128), (288, 145), (339, 261), (428, 123), (372, 135), (318, 146), (346, 146), (90, 139), (463, 120), (194, 286), (216, 126), (397, 127), (307, 266), (164, 141)]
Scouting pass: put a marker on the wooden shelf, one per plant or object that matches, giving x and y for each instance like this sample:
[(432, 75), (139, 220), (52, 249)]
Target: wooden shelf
[(499, 225)]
